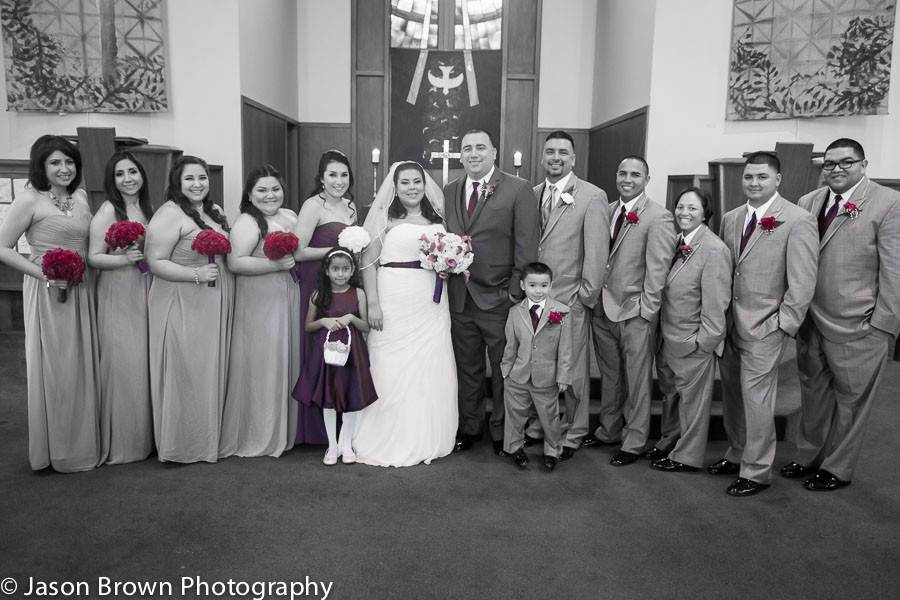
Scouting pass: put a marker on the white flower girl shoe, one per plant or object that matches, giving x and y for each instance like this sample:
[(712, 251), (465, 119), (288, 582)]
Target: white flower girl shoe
[(331, 457)]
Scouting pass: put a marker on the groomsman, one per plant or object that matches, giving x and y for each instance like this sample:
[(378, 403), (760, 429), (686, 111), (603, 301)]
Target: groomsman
[(854, 316), (641, 244), (574, 222), (499, 212), (774, 248)]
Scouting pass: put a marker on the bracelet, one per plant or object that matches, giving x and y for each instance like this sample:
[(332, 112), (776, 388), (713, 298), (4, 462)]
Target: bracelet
[(196, 276)]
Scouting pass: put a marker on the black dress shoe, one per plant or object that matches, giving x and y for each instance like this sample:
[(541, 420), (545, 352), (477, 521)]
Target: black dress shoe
[(498, 448), (550, 462), (745, 487), (655, 453), (520, 459), (795, 471), (823, 481), (622, 458), (567, 453), (530, 441), (724, 467), (592, 441), (667, 464), (463, 443)]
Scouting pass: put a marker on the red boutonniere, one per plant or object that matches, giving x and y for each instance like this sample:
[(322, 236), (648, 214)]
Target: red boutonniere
[(685, 250), (769, 224), (555, 317), (487, 190), (851, 210), (632, 217)]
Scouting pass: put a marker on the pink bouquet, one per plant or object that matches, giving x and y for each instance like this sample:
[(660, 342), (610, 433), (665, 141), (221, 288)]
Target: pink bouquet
[(446, 254)]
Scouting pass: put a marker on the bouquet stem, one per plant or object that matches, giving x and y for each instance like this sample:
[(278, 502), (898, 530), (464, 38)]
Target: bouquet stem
[(438, 287), (295, 274), (62, 294), (212, 260), (142, 266)]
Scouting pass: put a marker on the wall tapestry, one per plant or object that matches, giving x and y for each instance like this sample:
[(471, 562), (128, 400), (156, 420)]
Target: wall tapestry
[(85, 55), (810, 58)]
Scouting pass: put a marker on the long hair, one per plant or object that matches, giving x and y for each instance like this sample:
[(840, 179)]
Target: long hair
[(173, 193), (247, 206), (324, 295), (43, 147), (328, 157), (397, 211), (115, 196)]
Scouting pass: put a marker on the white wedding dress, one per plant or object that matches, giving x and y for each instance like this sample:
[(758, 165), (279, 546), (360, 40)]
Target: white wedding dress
[(415, 417)]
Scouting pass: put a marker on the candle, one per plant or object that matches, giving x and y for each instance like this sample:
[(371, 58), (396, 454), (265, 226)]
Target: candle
[(517, 159), (376, 156)]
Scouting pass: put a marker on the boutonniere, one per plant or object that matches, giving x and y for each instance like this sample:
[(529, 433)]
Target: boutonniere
[(555, 317), (851, 210), (632, 217), (685, 250), (567, 198), (768, 224), (487, 190)]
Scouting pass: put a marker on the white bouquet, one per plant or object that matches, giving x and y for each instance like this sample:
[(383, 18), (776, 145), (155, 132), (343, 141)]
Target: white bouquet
[(354, 238)]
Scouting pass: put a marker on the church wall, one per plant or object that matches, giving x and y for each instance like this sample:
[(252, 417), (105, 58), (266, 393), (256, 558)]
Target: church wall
[(323, 48), (268, 38), (204, 116), (623, 56), (687, 124)]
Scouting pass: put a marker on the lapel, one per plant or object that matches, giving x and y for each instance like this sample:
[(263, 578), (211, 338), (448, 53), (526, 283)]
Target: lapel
[(859, 197), (773, 211), (556, 212), (639, 207), (523, 312), (697, 241), (544, 316), (458, 207), (494, 184)]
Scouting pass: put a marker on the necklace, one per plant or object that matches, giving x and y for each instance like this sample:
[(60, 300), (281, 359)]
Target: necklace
[(64, 206)]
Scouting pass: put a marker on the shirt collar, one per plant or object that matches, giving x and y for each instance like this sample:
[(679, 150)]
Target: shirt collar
[(629, 206), (561, 185), (845, 195), (690, 236), (762, 209), (542, 304), (482, 181)]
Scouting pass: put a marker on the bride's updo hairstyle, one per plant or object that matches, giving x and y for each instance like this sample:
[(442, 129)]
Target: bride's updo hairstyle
[(396, 210)]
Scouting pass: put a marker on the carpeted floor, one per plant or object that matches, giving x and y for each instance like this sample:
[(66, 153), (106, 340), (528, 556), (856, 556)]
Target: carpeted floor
[(468, 526)]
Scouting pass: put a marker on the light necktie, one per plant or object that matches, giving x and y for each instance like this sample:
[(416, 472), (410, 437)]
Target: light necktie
[(748, 231), (473, 199), (825, 219), (619, 221), (535, 317), (548, 204)]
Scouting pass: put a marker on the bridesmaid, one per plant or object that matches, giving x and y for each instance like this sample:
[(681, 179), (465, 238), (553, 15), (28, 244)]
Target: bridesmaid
[(260, 416), (126, 420), (322, 218), (60, 344), (190, 322)]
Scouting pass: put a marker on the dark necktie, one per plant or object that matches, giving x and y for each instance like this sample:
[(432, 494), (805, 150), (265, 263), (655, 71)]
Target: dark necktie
[(535, 317), (619, 220), (473, 199), (678, 246), (825, 219), (748, 231)]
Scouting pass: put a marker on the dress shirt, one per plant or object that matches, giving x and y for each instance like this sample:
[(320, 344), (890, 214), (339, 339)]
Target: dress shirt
[(760, 212), (844, 197), (629, 206)]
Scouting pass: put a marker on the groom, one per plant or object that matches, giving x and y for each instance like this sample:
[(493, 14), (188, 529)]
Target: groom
[(498, 211)]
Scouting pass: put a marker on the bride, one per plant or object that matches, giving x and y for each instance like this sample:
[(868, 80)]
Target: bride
[(410, 351)]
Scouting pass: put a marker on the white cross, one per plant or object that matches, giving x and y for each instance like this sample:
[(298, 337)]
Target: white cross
[(446, 155)]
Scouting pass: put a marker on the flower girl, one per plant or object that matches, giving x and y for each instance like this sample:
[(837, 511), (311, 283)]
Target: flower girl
[(335, 373)]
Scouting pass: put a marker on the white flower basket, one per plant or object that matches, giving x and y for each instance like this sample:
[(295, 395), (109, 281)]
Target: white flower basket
[(336, 352)]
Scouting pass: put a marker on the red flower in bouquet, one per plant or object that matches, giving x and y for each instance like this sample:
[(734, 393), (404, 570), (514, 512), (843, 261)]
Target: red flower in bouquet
[(555, 317), (125, 234), (768, 224), (279, 244), (851, 210), (632, 217), (212, 244), (64, 265)]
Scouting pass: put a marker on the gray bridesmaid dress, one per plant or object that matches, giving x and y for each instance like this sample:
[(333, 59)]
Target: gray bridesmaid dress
[(190, 335), (61, 357)]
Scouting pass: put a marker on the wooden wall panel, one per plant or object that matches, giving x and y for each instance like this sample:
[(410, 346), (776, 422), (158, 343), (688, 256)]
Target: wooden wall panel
[(315, 139), (521, 39), (371, 18), (610, 142), (157, 162), (582, 152), (369, 134), (270, 138), (521, 97)]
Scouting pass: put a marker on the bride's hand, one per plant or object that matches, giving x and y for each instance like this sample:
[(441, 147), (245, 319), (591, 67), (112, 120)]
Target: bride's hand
[(376, 319)]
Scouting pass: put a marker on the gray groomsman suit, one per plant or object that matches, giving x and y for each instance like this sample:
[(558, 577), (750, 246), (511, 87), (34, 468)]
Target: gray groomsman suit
[(853, 318), (773, 283), (693, 326), (624, 325), (575, 245)]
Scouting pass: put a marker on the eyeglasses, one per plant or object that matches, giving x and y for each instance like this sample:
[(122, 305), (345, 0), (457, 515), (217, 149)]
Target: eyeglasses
[(845, 164)]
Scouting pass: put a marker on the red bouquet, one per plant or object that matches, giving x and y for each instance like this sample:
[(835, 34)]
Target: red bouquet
[(279, 244), (63, 264), (125, 234), (555, 317), (212, 244)]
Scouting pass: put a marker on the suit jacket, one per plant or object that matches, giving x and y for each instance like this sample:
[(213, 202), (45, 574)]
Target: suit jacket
[(775, 277), (574, 243), (638, 263), (543, 355), (505, 229), (859, 265), (698, 290)]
